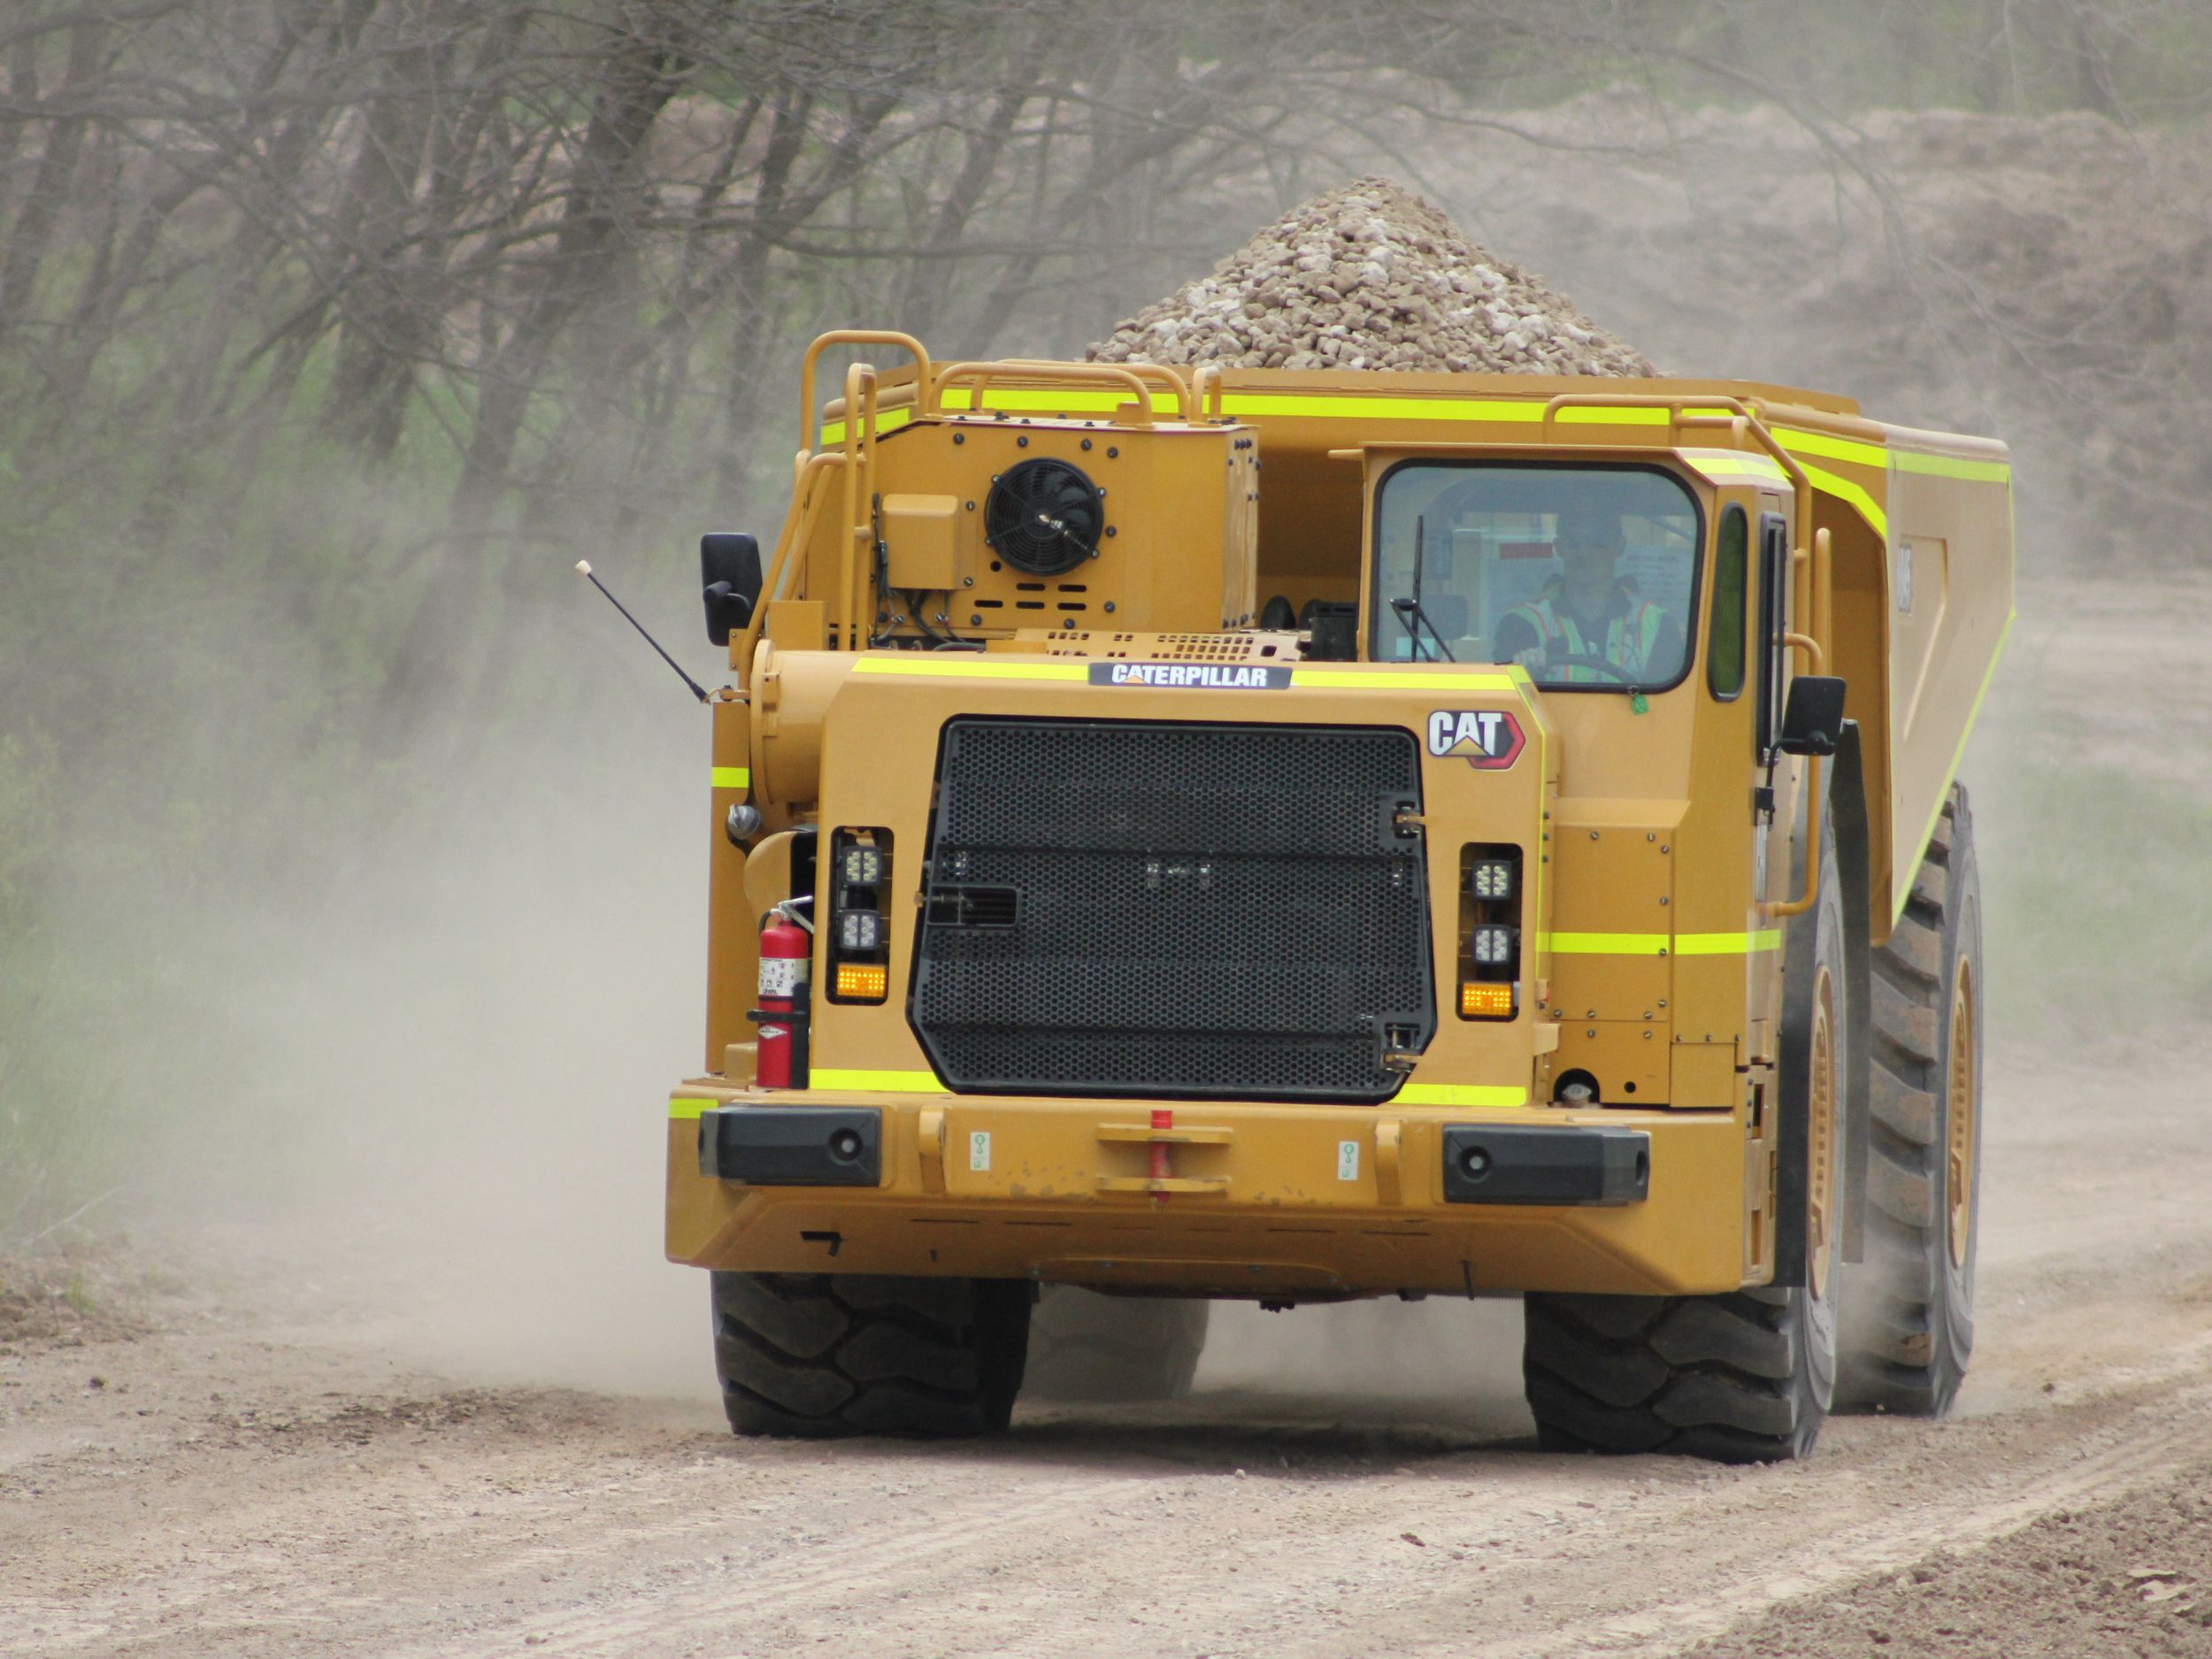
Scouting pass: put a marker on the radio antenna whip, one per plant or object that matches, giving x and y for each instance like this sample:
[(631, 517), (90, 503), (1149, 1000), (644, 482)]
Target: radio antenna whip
[(583, 569)]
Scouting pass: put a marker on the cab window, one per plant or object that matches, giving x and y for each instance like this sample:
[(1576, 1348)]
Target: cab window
[(1584, 574)]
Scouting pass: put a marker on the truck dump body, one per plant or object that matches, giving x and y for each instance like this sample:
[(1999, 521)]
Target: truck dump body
[(1229, 876)]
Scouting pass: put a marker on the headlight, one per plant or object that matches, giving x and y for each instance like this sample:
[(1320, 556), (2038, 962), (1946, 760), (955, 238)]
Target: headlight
[(1491, 879), (1491, 947)]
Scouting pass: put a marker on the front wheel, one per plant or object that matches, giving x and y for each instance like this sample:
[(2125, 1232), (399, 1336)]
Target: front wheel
[(820, 1356), (1743, 1377)]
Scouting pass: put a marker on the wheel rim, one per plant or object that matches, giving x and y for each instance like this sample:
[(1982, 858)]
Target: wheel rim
[(1959, 1110), (1820, 1150)]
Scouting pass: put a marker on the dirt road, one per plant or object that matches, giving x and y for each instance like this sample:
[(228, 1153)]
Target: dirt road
[(270, 1468)]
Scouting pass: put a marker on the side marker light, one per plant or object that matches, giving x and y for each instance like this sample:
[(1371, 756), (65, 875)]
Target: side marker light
[(1478, 1000), (863, 981)]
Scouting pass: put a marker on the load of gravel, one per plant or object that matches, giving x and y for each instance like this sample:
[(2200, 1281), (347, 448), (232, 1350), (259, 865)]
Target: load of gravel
[(1370, 277)]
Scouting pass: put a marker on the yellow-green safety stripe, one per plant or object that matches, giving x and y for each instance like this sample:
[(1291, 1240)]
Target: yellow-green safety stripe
[(1516, 411), (1398, 679), (1570, 944), (687, 1107), (1735, 466), (733, 778), (971, 666), (1524, 412), (1461, 1095), (877, 1082)]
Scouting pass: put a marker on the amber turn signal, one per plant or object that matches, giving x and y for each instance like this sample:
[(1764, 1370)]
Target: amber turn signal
[(1479, 1000), (863, 981)]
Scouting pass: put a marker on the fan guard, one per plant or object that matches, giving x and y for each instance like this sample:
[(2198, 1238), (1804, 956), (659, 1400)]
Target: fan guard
[(1044, 516)]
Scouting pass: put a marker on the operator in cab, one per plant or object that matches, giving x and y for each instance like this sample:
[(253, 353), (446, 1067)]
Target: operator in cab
[(1589, 625)]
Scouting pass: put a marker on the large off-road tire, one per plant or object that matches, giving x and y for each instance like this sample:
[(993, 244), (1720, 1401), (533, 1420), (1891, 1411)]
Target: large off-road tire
[(1743, 1377), (823, 1354), (1093, 1349), (1910, 1329)]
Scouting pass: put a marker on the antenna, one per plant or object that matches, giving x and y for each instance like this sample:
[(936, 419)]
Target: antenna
[(583, 569)]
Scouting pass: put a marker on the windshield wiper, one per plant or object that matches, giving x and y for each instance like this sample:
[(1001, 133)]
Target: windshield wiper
[(1409, 612)]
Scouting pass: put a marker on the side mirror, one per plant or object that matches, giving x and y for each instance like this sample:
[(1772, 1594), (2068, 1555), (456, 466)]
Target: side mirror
[(1812, 720), (729, 571)]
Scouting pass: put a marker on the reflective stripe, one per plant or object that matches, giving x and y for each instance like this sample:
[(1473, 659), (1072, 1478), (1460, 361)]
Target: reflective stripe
[(1953, 467), (889, 420), (1660, 944), (1727, 944), (732, 778), (877, 1082), (1369, 679), (1356, 407), (1516, 411), (684, 1106), (1607, 944), (1844, 490), (1735, 466), (1461, 1095), (1828, 444), (940, 667)]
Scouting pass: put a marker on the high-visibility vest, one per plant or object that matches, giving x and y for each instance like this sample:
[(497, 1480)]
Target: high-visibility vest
[(1629, 636)]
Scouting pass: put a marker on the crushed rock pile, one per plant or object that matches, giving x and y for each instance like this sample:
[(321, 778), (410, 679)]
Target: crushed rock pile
[(1370, 277)]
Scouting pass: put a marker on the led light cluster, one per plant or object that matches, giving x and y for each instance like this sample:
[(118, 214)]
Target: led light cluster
[(1478, 1000), (863, 981), (859, 868), (1491, 947), (1489, 932)]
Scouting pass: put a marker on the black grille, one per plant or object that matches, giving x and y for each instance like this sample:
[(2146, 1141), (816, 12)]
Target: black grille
[(1121, 908)]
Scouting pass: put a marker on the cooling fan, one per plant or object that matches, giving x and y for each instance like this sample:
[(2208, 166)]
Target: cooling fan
[(1044, 516)]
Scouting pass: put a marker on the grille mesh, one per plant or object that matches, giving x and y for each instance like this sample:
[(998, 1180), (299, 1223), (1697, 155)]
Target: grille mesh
[(1198, 911)]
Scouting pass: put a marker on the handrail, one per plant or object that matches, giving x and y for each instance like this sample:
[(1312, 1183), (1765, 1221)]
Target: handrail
[(805, 506), (1206, 387), (1817, 602), (860, 466), (1742, 419), (1110, 372), (1164, 373), (849, 337)]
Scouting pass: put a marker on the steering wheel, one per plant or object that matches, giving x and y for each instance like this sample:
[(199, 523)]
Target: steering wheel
[(1564, 659)]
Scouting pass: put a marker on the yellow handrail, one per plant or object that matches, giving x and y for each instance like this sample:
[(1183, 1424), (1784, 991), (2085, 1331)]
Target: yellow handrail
[(808, 414), (797, 525), (1113, 374)]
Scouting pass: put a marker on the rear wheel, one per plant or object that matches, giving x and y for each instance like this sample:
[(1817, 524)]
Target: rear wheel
[(820, 1355), (1911, 1330), (1743, 1377), (1085, 1347)]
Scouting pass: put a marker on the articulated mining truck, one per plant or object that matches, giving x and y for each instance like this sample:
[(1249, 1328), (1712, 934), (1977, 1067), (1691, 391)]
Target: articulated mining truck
[(1290, 837)]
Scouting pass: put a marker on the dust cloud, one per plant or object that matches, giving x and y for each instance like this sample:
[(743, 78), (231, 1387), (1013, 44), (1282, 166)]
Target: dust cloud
[(437, 1106)]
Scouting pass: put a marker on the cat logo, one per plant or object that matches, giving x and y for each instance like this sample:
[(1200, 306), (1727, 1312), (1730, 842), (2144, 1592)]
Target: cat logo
[(1489, 739)]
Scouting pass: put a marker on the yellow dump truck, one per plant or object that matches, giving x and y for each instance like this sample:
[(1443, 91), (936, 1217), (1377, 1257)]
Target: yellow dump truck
[(1294, 837)]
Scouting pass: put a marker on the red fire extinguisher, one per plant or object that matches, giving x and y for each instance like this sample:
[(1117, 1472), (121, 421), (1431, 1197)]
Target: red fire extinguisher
[(786, 949)]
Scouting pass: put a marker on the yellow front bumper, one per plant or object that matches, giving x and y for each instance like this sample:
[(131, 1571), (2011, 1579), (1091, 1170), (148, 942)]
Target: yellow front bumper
[(1253, 1200)]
